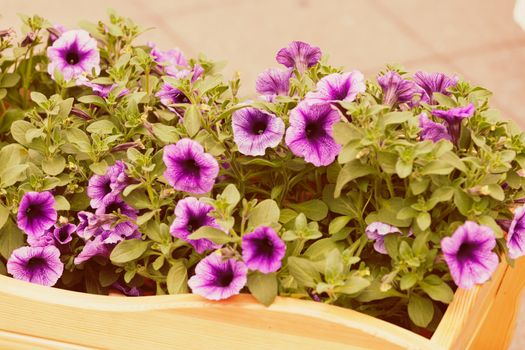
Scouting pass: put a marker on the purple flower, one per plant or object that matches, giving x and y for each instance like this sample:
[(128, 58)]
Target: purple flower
[(36, 212), (189, 168), (57, 235), (217, 279), (190, 215), (116, 219), (99, 89), (396, 89), (73, 54), (95, 247), (263, 250), (469, 254), (453, 118), (64, 234), (377, 231), (516, 234), (56, 31), (431, 130), (170, 95), (40, 265), (310, 133), (254, 131), (299, 55), (273, 82), (433, 82), (170, 61), (106, 188), (338, 87)]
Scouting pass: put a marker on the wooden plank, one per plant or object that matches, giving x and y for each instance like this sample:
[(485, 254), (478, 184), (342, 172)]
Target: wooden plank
[(188, 321)]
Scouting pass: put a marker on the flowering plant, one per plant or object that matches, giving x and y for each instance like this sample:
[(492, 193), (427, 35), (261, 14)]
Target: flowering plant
[(130, 168)]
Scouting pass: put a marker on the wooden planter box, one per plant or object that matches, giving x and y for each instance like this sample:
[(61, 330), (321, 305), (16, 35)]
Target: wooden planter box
[(35, 317)]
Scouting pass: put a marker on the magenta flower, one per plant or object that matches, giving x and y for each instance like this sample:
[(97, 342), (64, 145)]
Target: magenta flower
[(170, 95), (74, 54), (189, 168), (170, 61), (431, 130), (103, 189), (95, 247), (56, 31), (36, 212), (310, 133), (190, 215), (396, 89), (57, 235), (218, 279), (40, 265), (433, 82), (99, 89), (516, 234), (338, 87), (453, 118), (117, 220), (469, 254), (263, 250), (254, 131), (299, 55), (377, 231), (273, 82)]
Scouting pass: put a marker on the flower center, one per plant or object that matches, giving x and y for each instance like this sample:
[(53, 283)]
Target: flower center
[(72, 57), (191, 166), (265, 246), (62, 234), (33, 211), (107, 186), (259, 126), (35, 262), (113, 207), (225, 277), (313, 131), (194, 223), (466, 251)]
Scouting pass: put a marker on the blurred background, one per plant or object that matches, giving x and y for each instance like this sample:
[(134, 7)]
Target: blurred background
[(480, 41)]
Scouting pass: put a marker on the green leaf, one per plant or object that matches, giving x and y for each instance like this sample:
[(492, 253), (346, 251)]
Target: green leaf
[(437, 167), (177, 278), (10, 176), (192, 120), (314, 209), (408, 281), (354, 284), (263, 287), (264, 214), (10, 80), (403, 169), (165, 133), (420, 310), (101, 127), (128, 250), (231, 194), (213, 234), (496, 192), (19, 129), (54, 166), (142, 219), (437, 289), (79, 139), (351, 171), (303, 271), (287, 215), (423, 220), (397, 117), (10, 238), (338, 223), (61, 203), (4, 215)]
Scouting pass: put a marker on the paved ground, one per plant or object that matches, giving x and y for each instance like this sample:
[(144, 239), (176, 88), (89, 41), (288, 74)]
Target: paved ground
[(475, 39)]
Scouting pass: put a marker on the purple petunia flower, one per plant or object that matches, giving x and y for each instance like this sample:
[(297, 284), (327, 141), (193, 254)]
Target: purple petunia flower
[(310, 133), (73, 54), (40, 265), (469, 256), (189, 168), (170, 95), (57, 235), (116, 218), (263, 250), (190, 215), (99, 89), (36, 212), (516, 234), (254, 131), (56, 31), (377, 231), (431, 130), (453, 118), (273, 82), (106, 188), (170, 61), (217, 279), (299, 55), (95, 247), (433, 82), (396, 89), (338, 87)]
